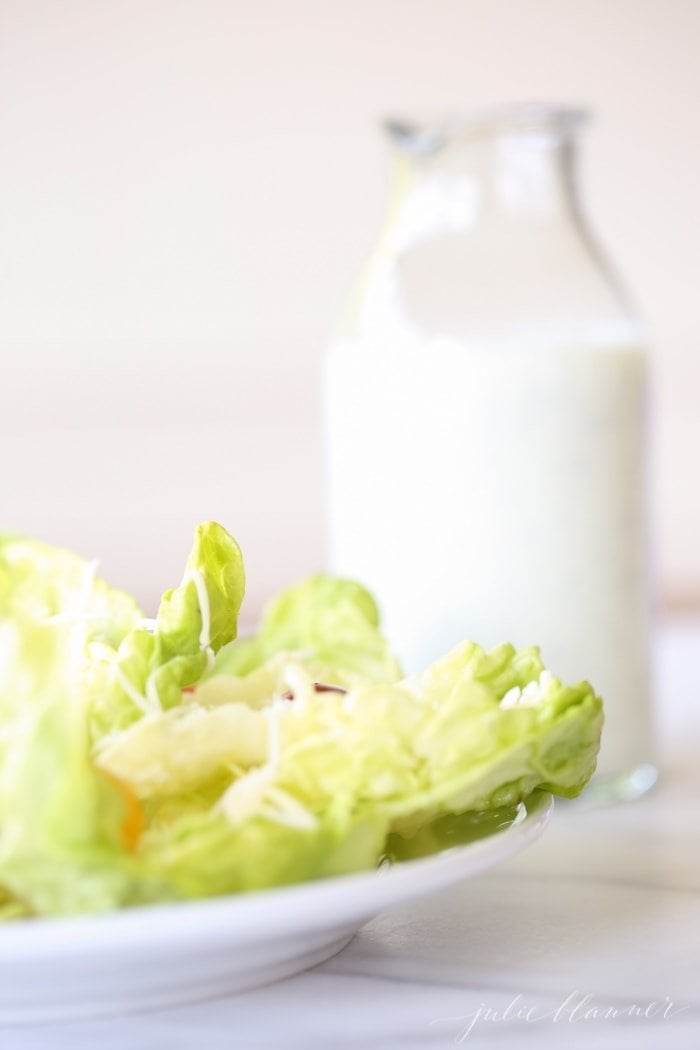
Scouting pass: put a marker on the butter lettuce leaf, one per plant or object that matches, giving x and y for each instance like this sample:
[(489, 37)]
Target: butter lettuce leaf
[(62, 821), (477, 731), (205, 854), (154, 663), (42, 582), (202, 613), (332, 623)]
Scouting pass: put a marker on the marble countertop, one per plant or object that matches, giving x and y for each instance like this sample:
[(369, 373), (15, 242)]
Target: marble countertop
[(590, 936)]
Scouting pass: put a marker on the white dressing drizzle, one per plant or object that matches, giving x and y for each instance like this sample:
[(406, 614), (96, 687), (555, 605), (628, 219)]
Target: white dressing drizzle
[(256, 794), (203, 598), (152, 693), (143, 703)]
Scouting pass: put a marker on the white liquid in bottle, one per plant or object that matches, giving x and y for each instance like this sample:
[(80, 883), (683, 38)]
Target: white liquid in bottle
[(493, 493), (485, 412)]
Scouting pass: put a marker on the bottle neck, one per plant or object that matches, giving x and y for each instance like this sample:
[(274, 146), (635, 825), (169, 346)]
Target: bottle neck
[(484, 239), (523, 177)]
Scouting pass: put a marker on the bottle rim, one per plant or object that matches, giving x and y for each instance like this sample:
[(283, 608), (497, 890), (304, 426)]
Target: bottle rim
[(426, 135)]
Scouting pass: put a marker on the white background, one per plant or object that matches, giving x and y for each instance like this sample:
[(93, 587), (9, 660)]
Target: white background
[(186, 192)]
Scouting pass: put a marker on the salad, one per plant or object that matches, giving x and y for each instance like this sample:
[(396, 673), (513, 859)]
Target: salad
[(155, 760)]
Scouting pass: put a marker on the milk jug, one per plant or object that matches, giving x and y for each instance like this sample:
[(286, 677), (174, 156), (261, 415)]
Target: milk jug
[(485, 413)]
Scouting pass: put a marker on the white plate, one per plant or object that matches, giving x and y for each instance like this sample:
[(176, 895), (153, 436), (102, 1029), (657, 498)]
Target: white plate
[(163, 955)]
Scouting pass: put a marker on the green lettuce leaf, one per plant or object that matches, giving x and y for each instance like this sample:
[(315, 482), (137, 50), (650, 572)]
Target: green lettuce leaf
[(61, 819), (204, 854), (138, 765), (202, 613), (333, 623), (154, 664), (185, 749), (42, 582), (477, 731)]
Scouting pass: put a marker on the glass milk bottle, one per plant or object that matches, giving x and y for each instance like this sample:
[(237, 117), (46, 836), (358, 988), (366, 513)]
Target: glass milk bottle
[(485, 419)]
